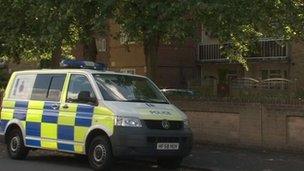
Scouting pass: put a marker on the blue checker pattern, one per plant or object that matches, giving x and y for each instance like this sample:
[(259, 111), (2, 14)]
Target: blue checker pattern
[(3, 124), (50, 115), (65, 147), (65, 132), (84, 115), (33, 143), (33, 129), (20, 110)]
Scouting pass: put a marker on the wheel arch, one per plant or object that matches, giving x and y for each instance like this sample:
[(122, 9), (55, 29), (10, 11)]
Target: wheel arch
[(14, 124), (92, 134)]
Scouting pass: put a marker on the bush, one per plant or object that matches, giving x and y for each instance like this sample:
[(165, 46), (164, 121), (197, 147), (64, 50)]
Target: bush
[(3, 79)]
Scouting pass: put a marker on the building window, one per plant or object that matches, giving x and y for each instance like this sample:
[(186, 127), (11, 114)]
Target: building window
[(266, 74), (128, 70), (274, 79), (101, 44)]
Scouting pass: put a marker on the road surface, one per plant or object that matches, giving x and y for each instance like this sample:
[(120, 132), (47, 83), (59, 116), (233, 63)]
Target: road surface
[(49, 161)]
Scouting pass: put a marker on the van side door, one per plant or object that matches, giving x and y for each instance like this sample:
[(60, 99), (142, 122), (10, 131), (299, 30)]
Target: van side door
[(76, 114), (43, 111)]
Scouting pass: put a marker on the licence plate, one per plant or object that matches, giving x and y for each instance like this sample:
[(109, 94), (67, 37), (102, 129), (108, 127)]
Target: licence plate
[(167, 146)]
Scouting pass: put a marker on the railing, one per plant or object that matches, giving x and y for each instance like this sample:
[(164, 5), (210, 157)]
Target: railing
[(265, 49)]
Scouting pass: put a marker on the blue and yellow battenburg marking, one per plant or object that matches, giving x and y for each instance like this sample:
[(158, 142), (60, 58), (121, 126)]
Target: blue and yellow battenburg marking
[(56, 129)]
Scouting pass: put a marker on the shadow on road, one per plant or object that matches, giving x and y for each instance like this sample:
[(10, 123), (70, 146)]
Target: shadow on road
[(81, 162)]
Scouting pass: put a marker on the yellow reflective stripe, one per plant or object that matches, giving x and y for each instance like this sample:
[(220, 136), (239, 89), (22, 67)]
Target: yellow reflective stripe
[(48, 130), (72, 108), (79, 148), (7, 114), (102, 111), (105, 117), (34, 111), (36, 105), (23, 124), (80, 133), (67, 118), (49, 144), (8, 104), (65, 88), (34, 115)]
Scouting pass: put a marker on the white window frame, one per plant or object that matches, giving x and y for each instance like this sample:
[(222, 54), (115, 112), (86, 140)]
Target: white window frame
[(101, 44), (128, 70)]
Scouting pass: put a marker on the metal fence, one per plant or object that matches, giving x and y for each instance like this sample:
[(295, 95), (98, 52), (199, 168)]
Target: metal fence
[(265, 49)]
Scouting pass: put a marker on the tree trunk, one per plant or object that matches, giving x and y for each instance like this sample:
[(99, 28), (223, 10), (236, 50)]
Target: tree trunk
[(56, 57), (90, 50), (151, 57)]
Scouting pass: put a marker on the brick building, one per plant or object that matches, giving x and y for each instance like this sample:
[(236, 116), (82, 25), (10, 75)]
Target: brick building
[(275, 66), (176, 64)]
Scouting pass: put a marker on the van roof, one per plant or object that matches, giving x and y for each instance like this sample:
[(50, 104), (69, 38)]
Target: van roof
[(58, 71)]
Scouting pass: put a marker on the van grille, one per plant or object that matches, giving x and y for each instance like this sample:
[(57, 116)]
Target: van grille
[(157, 124)]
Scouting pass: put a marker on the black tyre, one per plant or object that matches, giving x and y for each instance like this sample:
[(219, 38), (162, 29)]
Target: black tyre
[(100, 154), (15, 145), (170, 163)]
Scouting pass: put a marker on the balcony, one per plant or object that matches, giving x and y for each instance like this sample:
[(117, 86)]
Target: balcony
[(265, 49)]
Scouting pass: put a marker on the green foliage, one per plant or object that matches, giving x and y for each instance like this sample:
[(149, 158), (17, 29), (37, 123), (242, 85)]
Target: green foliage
[(243, 22), (36, 29), (146, 20), (238, 22)]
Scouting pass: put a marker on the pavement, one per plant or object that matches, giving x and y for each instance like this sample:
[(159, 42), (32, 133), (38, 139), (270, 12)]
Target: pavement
[(203, 158), (219, 158)]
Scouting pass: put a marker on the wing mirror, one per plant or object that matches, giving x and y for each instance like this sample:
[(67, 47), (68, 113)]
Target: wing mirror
[(85, 97)]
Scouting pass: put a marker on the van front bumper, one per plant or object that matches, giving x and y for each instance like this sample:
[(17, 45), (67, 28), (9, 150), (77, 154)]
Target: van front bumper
[(142, 142)]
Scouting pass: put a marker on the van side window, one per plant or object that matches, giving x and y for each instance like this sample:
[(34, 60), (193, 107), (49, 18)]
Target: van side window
[(22, 87), (55, 89), (48, 87), (80, 90)]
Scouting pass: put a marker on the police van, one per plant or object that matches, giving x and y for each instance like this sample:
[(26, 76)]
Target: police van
[(100, 114)]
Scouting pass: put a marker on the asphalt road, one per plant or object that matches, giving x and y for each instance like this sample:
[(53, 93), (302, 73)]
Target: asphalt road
[(40, 160)]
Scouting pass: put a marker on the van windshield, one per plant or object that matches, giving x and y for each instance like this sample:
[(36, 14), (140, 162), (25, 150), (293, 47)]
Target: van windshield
[(127, 88)]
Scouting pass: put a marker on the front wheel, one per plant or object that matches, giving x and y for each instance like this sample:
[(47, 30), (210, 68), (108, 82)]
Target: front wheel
[(170, 163), (15, 145), (100, 154)]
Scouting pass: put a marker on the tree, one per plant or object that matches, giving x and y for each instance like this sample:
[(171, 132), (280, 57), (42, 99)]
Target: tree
[(153, 23), (34, 28), (239, 22), (243, 22), (42, 28), (91, 19)]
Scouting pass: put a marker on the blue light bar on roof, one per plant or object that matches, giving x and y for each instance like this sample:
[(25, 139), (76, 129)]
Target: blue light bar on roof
[(78, 64)]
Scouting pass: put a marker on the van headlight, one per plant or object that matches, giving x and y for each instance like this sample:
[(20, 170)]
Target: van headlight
[(127, 122)]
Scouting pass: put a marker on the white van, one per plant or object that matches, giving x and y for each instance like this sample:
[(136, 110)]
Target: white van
[(101, 114)]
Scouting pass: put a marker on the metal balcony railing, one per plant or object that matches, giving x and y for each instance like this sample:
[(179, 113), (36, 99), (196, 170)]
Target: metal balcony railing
[(265, 49)]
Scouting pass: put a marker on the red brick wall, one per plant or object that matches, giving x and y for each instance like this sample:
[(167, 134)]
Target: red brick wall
[(176, 63), (246, 124)]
